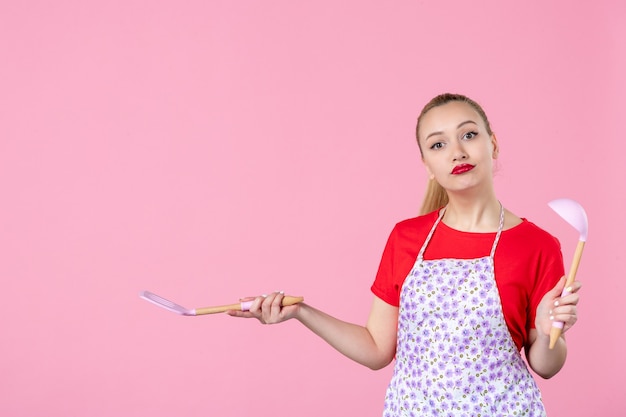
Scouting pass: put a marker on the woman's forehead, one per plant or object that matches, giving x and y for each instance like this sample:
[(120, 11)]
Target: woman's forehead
[(448, 116)]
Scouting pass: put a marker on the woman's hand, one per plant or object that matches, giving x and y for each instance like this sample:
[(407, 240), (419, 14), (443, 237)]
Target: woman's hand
[(267, 309), (554, 307)]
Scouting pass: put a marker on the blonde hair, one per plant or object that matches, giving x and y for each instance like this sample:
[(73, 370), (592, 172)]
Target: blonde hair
[(436, 196)]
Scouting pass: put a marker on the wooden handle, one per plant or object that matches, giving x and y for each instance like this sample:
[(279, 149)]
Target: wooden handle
[(217, 309), (575, 262), (287, 301), (555, 332)]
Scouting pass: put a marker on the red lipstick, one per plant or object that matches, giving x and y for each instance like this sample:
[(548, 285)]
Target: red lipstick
[(462, 169)]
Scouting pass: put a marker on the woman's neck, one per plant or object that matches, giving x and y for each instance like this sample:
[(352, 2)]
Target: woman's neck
[(472, 214)]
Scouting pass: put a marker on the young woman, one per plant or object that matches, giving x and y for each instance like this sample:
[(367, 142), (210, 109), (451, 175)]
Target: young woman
[(460, 290)]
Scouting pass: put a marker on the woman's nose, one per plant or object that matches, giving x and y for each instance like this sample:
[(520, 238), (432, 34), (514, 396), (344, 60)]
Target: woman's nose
[(458, 152)]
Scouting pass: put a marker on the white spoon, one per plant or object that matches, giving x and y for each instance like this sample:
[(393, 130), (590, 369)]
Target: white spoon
[(575, 215), (176, 308)]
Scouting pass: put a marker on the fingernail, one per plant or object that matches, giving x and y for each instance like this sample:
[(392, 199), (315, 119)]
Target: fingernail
[(550, 313), (282, 292), (264, 295), (556, 303), (551, 317), (568, 289)]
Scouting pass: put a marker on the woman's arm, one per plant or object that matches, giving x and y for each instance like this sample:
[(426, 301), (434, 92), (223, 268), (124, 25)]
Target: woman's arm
[(544, 361), (372, 345)]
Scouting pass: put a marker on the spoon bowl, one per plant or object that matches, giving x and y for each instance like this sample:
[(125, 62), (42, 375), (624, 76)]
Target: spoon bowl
[(573, 213)]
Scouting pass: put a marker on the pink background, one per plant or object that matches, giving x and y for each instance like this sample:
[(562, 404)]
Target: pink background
[(209, 150)]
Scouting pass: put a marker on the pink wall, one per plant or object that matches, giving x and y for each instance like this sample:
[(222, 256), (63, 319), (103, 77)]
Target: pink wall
[(208, 150)]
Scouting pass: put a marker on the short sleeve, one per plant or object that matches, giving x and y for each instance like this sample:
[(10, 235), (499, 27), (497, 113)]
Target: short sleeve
[(399, 256), (385, 286)]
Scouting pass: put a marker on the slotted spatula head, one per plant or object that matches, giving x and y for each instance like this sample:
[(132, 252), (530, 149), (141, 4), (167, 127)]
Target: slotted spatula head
[(166, 304)]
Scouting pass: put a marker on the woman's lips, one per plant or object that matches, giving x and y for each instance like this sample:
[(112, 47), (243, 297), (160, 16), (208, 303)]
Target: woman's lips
[(462, 169)]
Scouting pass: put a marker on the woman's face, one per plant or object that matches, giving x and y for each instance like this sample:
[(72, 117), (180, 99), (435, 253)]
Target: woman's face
[(456, 149)]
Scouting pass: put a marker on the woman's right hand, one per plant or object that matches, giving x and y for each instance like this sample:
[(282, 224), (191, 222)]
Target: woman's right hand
[(267, 309)]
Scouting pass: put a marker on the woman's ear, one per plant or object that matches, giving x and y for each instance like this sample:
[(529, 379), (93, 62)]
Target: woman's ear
[(496, 148)]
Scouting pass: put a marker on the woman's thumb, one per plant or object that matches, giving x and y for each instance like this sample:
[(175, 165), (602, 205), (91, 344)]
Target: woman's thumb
[(558, 288)]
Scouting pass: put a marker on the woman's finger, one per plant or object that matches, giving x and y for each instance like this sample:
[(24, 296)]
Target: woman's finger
[(567, 314), (266, 308), (239, 313)]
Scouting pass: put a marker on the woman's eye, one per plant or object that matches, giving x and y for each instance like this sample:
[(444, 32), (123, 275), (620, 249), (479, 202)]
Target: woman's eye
[(437, 145), (469, 135)]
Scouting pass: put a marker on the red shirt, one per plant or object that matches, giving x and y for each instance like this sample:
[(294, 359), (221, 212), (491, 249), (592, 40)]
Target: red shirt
[(528, 263)]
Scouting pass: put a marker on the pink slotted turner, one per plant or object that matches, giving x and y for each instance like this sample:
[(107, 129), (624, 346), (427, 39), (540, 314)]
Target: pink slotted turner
[(177, 308)]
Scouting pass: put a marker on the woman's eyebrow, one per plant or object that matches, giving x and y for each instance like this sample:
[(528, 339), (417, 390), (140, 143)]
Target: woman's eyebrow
[(466, 122), (458, 127)]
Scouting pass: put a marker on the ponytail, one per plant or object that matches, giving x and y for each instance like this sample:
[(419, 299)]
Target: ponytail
[(434, 199)]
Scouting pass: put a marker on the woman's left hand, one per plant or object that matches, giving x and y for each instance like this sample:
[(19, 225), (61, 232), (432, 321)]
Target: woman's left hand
[(556, 307)]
